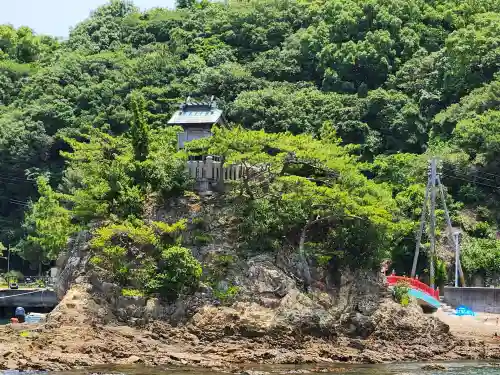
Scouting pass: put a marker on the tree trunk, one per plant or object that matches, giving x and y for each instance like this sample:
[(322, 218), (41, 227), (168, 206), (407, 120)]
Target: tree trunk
[(246, 183), (306, 273)]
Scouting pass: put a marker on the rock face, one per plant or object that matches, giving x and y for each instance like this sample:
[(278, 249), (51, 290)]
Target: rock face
[(346, 316), (86, 328), (73, 263)]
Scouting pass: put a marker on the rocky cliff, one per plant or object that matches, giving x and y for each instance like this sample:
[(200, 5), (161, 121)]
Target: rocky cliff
[(271, 317), (288, 327)]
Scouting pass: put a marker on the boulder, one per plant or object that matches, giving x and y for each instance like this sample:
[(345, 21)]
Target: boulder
[(263, 278), (434, 367)]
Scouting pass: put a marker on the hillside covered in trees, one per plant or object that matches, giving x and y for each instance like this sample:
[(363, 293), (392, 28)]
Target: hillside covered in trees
[(353, 96)]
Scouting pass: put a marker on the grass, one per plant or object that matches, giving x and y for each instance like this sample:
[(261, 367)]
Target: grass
[(132, 293), (228, 295)]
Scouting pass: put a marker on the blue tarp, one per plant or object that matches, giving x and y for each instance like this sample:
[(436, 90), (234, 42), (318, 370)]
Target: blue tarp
[(464, 311)]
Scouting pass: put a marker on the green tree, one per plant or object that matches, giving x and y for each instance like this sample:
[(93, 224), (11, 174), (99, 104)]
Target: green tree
[(406, 79), (146, 257), (48, 226), (139, 129), (296, 186), (99, 180), (480, 256), (178, 271), (182, 4)]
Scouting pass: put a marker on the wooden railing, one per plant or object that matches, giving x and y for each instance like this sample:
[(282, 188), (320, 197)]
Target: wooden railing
[(415, 284)]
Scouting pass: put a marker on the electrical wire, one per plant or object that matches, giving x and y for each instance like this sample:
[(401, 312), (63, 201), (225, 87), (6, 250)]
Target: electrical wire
[(471, 181), (19, 203), (17, 200), (475, 175), (491, 174), (17, 179)]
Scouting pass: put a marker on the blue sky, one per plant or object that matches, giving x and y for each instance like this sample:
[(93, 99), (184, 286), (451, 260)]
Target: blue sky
[(55, 17)]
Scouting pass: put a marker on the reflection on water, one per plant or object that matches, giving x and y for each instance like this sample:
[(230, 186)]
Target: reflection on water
[(457, 368)]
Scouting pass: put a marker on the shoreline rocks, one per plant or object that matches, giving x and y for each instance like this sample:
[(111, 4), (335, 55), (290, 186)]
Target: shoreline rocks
[(83, 332)]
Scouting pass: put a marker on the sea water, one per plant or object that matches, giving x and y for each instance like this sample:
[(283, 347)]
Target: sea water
[(456, 368)]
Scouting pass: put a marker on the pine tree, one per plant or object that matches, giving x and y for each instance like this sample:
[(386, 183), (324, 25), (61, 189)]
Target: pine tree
[(182, 4), (139, 130)]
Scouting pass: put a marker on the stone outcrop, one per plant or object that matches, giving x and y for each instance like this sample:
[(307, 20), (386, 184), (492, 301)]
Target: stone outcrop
[(73, 263), (274, 318)]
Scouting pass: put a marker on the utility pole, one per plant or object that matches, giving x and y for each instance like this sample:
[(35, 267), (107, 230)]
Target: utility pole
[(422, 226), (8, 265), (432, 252), (454, 238), (433, 185)]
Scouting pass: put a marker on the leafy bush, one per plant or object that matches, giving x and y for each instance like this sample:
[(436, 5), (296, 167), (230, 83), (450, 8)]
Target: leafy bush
[(401, 293), (13, 276), (441, 272), (228, 295), (218, 266), (481, 230), (198, 222), (132, 293), (201, 239), (178, 271), (480, 256), (146, 257), (122, 248), (323, 260)]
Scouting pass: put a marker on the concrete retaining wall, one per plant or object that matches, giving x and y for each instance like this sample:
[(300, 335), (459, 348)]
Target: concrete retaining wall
[(478, 299), (28, 298)]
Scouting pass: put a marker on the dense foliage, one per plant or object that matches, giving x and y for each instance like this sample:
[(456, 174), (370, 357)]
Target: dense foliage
[(146, 257), (396, 81), (308, 194)]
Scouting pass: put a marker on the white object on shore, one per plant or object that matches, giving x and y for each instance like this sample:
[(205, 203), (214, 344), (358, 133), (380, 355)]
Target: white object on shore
[(33, 318)]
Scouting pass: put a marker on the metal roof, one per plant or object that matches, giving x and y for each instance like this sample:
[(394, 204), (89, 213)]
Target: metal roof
[(191, 116), (196, 113)]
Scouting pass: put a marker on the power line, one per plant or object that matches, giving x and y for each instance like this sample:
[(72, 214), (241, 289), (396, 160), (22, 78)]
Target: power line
[(19, 203), (491, 174), (474, 176), (471, 174), (13, 182), (18, 178), (15, 199), (471, 181)]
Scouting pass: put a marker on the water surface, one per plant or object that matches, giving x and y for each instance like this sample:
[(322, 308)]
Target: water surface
[(455, 368)]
